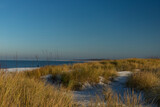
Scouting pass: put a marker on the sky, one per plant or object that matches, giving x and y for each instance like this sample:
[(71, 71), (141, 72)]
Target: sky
[(77, 29)]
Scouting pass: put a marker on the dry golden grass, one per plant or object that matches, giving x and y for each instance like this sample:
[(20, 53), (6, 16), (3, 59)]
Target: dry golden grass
[(134, 63), (18, 91), (129, 99), (118, 65), (27, 89), (143, 80), (74, 76)]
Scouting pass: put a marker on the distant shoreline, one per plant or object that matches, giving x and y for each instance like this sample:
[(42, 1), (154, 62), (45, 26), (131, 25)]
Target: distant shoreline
[(5, 64), (54, 60)]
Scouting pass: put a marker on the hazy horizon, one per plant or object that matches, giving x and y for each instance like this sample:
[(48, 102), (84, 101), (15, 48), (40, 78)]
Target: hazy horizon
[(79, 29)]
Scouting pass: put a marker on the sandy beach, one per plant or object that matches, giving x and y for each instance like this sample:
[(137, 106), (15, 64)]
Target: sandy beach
[(19, 69)]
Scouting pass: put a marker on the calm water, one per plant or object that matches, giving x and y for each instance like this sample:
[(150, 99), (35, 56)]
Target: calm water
[(23, 64)]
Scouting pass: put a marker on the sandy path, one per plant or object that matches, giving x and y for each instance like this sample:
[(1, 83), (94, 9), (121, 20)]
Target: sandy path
[(118, 85), (90, 93)]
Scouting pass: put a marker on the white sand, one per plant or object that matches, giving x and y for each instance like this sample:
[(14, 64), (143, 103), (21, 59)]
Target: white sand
[(19, 69), (90, 93), (118, 86)]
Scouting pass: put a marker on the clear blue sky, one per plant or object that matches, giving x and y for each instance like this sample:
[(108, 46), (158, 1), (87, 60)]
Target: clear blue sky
[(79, 28)]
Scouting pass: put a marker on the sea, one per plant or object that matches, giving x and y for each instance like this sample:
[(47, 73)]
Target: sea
[(4, 64)]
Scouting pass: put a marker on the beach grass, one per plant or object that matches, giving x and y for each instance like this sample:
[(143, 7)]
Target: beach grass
[(143, 80), (28, 89), (74, 76), (153, 95), (149, 83), (18, 91), (129, 99), (135, 63)]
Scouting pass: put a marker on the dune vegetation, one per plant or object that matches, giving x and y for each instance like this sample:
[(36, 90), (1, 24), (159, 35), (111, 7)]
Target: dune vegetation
[(147, 80), (73, 77), (19, 91), (129, 99), (78, 74), (28, 89), (143, 80)]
